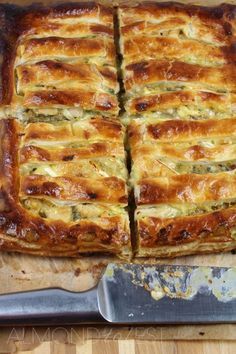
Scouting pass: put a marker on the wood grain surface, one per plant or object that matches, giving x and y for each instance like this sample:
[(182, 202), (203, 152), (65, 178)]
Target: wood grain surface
[(22, 272), (122, 340), (132, 347)]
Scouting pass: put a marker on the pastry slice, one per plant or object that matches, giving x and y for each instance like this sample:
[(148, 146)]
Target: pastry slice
[(184, 177), (178, 61), (63, 188), (60, 63)]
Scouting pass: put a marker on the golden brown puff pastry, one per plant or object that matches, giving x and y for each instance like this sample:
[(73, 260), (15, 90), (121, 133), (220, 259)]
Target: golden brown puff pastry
[(184, 176), (180, 75), (178, 60), (179, 78), (208, 24), (166, 160), (183, 104), (206, 232), (59, 61), (169, 131), (49, 74), (193, 52), (175, 26), (32, 153), (95, 129), (63, 188), (68, 20), (69, 29), (36, 49), (189, 188), (64, 180)]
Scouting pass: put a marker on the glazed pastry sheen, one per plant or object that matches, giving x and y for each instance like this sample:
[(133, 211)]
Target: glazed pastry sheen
[(179, 78), (82, 82), (63, 189), (59, 61)]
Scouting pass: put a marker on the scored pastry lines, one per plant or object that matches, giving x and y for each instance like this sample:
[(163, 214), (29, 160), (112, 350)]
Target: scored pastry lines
[(58, 68), (69, 187), (179, 78), (176, 103)]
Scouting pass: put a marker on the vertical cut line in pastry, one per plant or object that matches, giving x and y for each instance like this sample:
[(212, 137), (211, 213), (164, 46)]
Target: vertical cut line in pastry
[(63, 188), (131, 202)]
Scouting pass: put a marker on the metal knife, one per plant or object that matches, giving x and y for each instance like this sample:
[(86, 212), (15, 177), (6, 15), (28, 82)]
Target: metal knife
[(132, 294)]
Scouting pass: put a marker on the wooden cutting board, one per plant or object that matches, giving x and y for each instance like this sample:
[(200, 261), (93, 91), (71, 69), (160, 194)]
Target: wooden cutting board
[(22, 272), (127, 347)]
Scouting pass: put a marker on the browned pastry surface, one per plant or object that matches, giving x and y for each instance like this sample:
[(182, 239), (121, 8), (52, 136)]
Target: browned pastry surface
[(159, 131), (183, 174), (179, 70), (183, 235), (64, 196), (63, 167), (59, 62), (188, 50)]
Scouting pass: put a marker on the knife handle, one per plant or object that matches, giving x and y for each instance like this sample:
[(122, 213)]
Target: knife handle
[(49, 306)]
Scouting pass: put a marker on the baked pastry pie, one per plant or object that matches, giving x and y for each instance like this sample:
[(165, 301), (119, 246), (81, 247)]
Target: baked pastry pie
[(59, 61), (65, 188)]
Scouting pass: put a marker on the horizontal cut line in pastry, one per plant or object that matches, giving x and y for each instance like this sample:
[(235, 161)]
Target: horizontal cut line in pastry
[(107, 189), (70, 104), (177, 28), (67, 30)]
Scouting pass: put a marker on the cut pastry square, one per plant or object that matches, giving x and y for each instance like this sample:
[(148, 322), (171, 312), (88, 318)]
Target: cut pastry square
[(178, 60), (59, 61), (184, 178), (63, 188)]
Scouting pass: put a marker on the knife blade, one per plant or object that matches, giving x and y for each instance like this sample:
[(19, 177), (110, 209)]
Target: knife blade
[(132, 294)]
